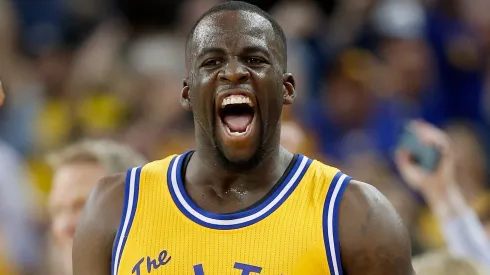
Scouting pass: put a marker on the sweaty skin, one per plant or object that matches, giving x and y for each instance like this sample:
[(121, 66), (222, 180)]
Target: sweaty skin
[(241, 50)]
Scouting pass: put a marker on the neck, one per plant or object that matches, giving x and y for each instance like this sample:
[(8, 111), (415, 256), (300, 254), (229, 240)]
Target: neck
[(206, 169)]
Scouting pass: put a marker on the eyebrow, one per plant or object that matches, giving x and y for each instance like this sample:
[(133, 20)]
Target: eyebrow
[(208, 50), (256, 49), (246, 50)]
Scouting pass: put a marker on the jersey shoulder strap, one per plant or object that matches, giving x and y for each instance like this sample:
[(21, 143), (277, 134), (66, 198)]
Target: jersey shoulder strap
[(334, 184), (131, 197)]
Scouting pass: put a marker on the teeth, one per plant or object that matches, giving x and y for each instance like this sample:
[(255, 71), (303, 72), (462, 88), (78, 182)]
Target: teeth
[(236, 99)]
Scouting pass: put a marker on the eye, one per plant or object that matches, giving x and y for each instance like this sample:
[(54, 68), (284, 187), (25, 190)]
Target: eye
[(212, 62), (254, 60)]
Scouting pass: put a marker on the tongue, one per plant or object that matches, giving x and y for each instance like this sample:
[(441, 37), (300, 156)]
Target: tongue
[(238, 123)]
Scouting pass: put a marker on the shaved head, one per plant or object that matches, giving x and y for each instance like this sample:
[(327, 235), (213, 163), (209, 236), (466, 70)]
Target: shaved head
[(199, 31)]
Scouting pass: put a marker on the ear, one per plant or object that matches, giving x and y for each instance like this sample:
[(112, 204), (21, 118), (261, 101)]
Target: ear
[(185, 99), (289, 92)]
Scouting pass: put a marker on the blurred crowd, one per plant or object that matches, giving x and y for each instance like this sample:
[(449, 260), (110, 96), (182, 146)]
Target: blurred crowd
[(113, 70)]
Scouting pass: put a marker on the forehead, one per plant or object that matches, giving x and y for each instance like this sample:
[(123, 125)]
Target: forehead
[(233, 29), (76, 180)]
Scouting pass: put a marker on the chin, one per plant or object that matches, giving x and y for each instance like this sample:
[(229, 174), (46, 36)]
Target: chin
[(236, 156), (239, 159)]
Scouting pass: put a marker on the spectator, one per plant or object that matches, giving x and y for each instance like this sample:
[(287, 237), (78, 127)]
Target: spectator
[(19, 243), (463, 232), (77, 168)]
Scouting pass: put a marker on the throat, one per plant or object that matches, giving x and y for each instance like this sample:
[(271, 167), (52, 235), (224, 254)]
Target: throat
[(223, 193)]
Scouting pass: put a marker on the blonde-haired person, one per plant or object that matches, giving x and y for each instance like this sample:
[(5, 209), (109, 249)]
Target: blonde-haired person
[(77, 168), (441, 263)]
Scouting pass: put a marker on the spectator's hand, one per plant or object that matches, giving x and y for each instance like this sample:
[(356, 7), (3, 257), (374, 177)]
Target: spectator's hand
[(438, 183)]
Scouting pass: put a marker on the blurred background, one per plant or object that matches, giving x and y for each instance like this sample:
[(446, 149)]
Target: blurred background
[(113, 69)]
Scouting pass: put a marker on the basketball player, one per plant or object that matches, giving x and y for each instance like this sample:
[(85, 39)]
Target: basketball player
[(239, 203)]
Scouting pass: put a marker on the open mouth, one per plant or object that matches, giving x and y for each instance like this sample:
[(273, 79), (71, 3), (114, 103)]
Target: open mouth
[(237, 113)]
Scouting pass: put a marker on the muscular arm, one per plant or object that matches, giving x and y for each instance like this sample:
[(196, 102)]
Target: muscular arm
[(97, 228), (373, 239)]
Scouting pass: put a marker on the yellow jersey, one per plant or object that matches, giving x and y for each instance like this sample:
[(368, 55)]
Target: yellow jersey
[(292, 231)]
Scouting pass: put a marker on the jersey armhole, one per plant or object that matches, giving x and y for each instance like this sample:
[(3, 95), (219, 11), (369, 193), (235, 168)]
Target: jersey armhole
[(330, 222), (131, 191)]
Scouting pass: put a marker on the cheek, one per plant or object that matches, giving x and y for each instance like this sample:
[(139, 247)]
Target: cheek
[(271, 100), (277, 98), (202, 98), (268, 78)]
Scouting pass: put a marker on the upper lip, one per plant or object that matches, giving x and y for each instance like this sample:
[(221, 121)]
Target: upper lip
[(235, 91)]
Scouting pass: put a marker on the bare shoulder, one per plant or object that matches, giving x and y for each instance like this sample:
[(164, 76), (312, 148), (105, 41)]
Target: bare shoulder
[(97, 227), (373, 239), (106, 200)]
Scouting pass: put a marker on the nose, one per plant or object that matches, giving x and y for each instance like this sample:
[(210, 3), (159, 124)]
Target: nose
[(234, 72), (64, 228)]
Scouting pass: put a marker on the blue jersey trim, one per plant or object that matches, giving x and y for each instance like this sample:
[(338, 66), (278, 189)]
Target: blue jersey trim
[(332, 202), (232, 221), (133, 210), (235, 215), (120, 234), (336, 222), (121, 224)]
